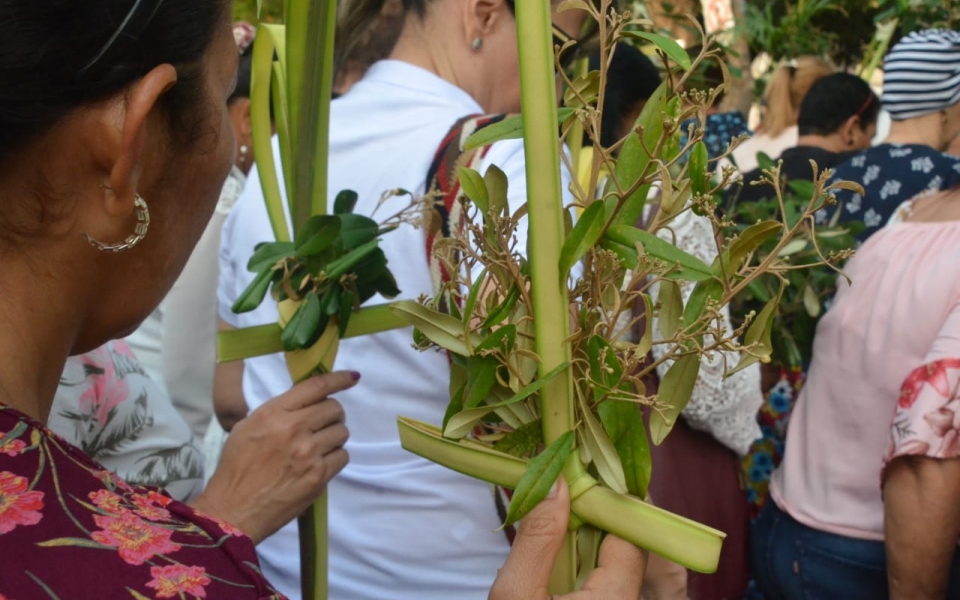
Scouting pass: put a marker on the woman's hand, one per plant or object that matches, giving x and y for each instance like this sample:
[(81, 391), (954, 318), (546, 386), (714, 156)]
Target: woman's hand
[(526, 574), (280, 458)]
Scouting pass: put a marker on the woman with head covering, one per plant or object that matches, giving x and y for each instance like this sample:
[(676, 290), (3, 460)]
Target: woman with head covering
[(921, 91), (117, 141)]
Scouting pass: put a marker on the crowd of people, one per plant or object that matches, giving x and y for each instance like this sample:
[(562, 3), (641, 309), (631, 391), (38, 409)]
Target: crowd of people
[(133, 204)]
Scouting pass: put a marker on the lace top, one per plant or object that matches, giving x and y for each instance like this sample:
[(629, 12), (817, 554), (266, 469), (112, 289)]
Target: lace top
[(724, 408)]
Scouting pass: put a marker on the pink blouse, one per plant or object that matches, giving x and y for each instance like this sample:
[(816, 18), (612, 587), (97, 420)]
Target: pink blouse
[(883, 381)]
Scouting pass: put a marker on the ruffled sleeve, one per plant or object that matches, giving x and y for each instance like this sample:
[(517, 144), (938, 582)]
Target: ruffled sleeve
[(724, 408), (926, 421)]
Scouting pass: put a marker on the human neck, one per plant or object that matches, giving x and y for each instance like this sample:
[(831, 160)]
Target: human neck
[(38, 331), (829, 143), (420, 45), (922, 130)]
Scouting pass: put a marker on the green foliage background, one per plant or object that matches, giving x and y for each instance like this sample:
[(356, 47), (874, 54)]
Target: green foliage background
[(246, 10)]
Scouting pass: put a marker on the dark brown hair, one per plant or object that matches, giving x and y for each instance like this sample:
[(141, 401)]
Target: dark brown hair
[(46, 44)]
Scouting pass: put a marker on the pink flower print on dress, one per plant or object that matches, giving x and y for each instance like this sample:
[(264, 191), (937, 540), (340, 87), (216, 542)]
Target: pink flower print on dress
[(106, 390), (945, 424), (177, 580), (108, 502), (18, 505), (227, 528), (147, 506), (934, 374), (136, 540), (11, 448), (120, 347), (112, 480)]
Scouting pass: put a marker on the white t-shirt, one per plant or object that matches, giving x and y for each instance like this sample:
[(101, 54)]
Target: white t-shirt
[(401, 527)]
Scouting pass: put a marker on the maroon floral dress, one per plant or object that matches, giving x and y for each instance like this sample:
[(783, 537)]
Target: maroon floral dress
[(71, 530)]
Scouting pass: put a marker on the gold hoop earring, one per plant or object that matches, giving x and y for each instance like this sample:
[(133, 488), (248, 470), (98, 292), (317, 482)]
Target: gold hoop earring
[(140, 232)]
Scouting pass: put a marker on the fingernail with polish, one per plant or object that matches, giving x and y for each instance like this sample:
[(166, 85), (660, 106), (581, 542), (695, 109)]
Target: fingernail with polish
[(355, 375)]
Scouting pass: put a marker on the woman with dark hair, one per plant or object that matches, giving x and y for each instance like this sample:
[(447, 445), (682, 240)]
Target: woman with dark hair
[(788, 86), (117, 141), (143, 414), (837, 117)]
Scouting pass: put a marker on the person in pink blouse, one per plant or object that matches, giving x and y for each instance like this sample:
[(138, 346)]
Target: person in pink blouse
[(865, 502)]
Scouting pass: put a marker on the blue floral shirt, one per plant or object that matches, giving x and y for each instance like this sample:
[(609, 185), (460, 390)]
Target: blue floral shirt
[(890, 175), (719, 130)]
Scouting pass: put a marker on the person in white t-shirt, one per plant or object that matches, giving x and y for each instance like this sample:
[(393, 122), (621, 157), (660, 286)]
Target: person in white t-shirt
[(401, 527)]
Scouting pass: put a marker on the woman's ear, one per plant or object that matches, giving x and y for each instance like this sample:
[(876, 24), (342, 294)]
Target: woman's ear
[(240, 118), (139, 142), (849, 129), (481, 18)]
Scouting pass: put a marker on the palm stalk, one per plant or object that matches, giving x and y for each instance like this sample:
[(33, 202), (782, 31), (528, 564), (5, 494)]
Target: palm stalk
[(300, 84), (544, 200)]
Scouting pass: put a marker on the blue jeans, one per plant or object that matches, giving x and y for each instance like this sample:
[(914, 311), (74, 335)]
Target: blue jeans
[(791, 561)]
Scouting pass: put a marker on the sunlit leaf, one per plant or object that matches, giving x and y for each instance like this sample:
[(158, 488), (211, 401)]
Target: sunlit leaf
[(603, 452), (698, 165), (303, 327), (269, 254), (317, 234), (463, 423), (669, 46), (710, 290), (583, 237), (793, 247), (634, 159), (691, 267), (357, 230), (510, 128), (752, 238), (586, 87), (475, 188), (253, 296), (441, 329), (345, 202), (541, 475), (572, 5), (497, 187), (810, 302), (758, 334), (675, 390), (503, 310), (606, 371), (850, 186), (481, 377), (342, 265), (671, 309), (523, 441), (623, 422)]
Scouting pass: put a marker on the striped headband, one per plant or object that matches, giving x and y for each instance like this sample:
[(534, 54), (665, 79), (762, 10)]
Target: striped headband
[(921, 74)]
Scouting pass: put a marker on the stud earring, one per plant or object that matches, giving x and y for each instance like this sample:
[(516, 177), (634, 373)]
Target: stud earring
[(243, 154), (140, 232), (477, 43)]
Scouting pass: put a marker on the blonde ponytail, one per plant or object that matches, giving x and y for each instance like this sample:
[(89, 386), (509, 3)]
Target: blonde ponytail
[(786, 90), (355, 18)]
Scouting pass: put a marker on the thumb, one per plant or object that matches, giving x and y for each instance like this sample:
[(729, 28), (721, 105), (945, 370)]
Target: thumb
[(526, 574)]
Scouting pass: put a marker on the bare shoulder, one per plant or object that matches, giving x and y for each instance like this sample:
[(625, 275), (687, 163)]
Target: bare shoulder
[(937, 207)]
